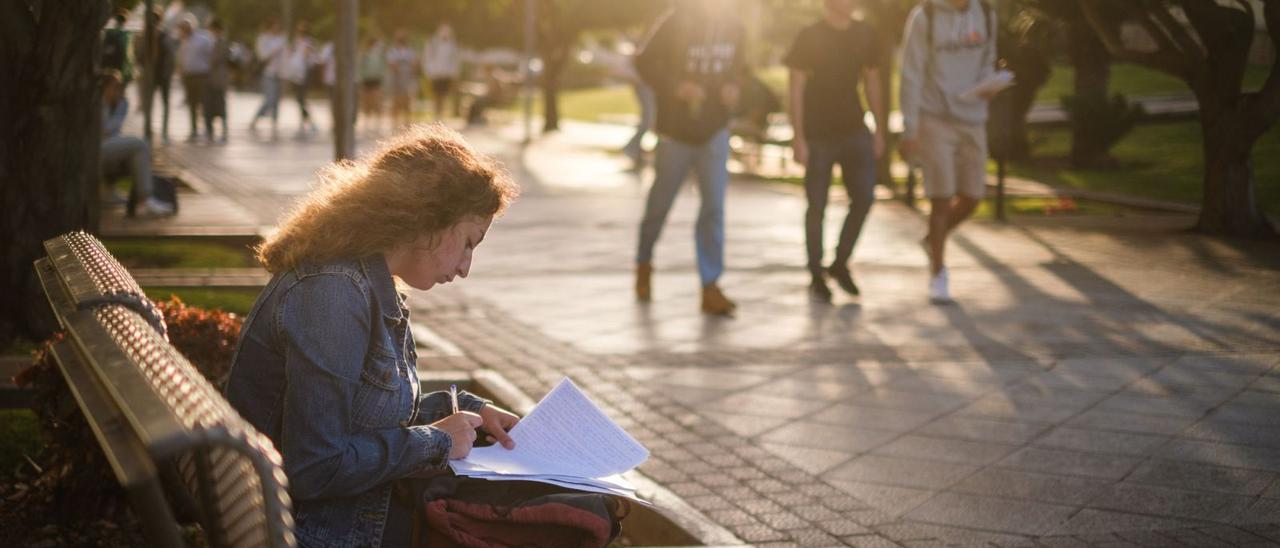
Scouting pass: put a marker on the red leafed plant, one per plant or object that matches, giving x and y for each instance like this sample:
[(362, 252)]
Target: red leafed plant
[(206, 337), (69, 496)]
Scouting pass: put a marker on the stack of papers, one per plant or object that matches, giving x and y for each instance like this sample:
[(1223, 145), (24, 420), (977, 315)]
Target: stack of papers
[(566, 440), (998, 82)]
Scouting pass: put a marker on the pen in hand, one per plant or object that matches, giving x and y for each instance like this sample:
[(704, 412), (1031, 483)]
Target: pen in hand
[(453, 397)]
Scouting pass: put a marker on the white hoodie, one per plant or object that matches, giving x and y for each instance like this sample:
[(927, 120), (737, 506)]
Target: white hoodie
[(963, 56)]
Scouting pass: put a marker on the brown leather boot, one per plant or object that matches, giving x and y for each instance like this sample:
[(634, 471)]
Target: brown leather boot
[(644, 276), (714, 302)]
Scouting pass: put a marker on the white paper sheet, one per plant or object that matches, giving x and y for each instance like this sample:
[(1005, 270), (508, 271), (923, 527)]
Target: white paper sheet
[(1001, 80), (566, 434)]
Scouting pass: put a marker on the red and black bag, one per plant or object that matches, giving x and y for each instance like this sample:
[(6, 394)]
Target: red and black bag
[(461, 511)]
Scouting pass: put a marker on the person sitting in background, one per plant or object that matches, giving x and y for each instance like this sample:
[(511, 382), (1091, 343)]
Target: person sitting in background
[(126, 153), (497, 85)]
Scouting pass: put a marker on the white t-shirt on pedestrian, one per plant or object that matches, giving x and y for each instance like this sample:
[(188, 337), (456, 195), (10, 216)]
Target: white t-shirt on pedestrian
[(440, 58), (297, 59), (270, 50), (195, 54)]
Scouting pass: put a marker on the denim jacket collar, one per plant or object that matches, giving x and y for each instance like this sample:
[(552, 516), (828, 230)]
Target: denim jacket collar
[(383, 286)]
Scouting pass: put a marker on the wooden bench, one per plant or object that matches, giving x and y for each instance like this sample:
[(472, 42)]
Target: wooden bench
[(162, 426)]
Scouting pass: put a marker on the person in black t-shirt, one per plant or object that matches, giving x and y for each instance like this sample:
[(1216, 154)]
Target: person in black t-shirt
[(693, 61), (827, 61)]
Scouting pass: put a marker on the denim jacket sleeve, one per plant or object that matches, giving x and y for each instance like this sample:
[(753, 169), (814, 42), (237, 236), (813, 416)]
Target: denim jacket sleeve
[(325, 329), (434, 406)]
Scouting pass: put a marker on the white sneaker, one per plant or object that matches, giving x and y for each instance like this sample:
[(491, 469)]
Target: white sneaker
[(939, 290), (155, 208)]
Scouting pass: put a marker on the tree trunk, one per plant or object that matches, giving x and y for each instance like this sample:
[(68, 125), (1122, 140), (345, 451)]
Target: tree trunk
[(51, 114), (1230, 203), (1092, 64), (554, 61)]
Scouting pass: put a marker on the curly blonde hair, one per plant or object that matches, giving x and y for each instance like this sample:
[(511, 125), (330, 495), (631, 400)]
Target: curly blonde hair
[(418, 183)]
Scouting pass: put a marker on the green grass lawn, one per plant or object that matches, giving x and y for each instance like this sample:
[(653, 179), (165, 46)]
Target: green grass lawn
[(1159, 161), (178, 253), (19, 435), (596, 104), (235, 300)]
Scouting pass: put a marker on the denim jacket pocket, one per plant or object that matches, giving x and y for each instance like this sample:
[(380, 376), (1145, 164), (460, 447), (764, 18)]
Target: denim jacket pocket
[(382, 397)]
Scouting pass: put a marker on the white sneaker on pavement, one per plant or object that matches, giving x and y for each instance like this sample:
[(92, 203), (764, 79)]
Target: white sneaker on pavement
[(155, 208), (939, 288)]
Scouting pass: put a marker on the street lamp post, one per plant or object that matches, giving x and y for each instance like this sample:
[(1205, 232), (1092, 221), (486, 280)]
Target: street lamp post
[(344, 92), (530, 43)]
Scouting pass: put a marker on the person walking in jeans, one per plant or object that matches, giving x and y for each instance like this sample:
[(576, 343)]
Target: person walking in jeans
[(270, 49), (692, 62), (948, 49), (827, 61)]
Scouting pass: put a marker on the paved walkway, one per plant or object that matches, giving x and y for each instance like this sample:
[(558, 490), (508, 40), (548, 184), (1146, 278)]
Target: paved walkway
[(1101, 381)]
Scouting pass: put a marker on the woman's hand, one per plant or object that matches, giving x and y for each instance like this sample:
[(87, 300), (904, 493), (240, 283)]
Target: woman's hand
[(497, 421), (461, 427)]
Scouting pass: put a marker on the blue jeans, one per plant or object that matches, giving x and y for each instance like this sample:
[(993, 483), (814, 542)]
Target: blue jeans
[(673, 160), (857, 160), (646, 99), (270, 98)]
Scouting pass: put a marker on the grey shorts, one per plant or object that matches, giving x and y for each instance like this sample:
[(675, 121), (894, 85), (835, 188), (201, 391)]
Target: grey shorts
[(953, 156)]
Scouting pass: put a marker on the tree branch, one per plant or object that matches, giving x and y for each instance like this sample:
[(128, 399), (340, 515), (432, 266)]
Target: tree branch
[(1164, 60)]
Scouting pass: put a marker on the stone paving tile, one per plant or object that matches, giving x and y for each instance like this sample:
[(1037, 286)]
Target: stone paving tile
[(908, 531), (870, 541), (811, 537), (901, 472), (910, 401), (830, 391), (1261, 416), (1231, 534), (896, 420), (765, 405), (745, 425), (1100, 441), (999, 406), (813, 461), (891, 500), (1174, 375), (1164, 501), (1070, 462), (1236, 456), (1192, 537), (1202, 477), (1261, 511), (820, 436), (1094, 521), (1061, 380), (981, 429), (991, 514), (1144, 404), (1234, 363), (945, 450), (1015, 484), (1126, 422)]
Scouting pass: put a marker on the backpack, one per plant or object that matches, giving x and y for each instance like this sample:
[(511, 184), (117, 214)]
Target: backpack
[(456, 510), (115, 44)]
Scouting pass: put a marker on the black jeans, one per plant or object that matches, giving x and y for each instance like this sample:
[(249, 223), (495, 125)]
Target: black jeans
[(857, 162)]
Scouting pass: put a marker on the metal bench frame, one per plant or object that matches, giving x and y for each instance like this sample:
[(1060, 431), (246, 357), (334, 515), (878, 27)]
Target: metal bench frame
[(160, 423)]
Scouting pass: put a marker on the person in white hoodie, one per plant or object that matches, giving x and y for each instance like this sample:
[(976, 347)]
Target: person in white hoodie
[(948, 49), (269, 48), (440, 63)]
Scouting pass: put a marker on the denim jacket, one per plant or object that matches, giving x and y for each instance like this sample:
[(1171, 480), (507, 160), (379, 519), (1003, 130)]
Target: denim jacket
[(326, 368)]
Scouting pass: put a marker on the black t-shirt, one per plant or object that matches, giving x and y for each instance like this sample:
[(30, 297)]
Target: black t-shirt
[(834, 60)]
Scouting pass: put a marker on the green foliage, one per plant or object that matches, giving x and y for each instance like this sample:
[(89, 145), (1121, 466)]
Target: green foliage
[(178, 253), (1158, 161), (232, 300), (1100, 123), (19, 439)]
